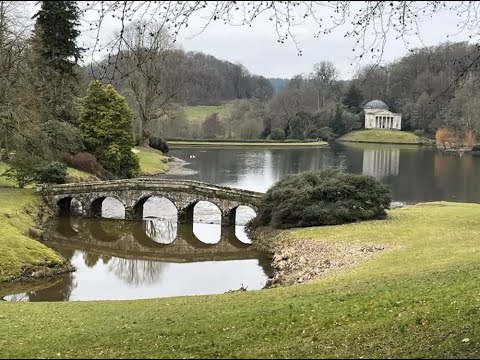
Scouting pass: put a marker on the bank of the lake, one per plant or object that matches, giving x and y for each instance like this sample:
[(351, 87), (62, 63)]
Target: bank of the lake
[(382, 137), (22, 258), (234, 143), (22, 214), (419, 299)]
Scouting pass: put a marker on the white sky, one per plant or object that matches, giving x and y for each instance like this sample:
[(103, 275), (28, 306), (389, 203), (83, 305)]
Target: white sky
[(257, 48)]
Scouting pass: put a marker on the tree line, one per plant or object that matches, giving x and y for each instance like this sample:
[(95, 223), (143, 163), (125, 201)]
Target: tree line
[(429, 87)]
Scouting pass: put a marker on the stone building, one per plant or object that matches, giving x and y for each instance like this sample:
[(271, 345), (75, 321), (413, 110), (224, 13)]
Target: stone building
[(377, 116)]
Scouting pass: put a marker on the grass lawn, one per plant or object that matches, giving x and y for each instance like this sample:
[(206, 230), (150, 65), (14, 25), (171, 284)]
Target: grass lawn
[(198, 113), (17, 251), (382, 136), (151, 161), (75, 175), (245, 143), (420, 300)]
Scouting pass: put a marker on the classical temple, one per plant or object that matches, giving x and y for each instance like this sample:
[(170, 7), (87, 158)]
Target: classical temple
[(377, 116)]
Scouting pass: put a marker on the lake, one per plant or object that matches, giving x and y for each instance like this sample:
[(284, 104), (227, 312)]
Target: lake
[(132, 260)]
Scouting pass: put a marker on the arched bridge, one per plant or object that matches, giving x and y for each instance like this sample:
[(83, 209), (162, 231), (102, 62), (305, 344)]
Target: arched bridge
[(133, 194)]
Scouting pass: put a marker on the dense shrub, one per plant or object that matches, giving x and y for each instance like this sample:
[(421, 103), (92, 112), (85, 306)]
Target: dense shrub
[(159, 144), (52, 173), (326, 197), (22, 169), (83, 161), (277, 134), (476, 147), (419, 133), (326, 134), (62, 137)]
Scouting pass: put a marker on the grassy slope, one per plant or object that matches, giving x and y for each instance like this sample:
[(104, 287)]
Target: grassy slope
[(151, 161), (420, 300), (200, 112), (17, 251), (382, 136), (239, 143)]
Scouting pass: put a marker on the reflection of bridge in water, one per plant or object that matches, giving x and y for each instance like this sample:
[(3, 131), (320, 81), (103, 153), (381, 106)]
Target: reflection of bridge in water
[(131, 240)]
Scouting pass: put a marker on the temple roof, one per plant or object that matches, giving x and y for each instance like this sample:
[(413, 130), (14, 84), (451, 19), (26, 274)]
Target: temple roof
[(376, 104)]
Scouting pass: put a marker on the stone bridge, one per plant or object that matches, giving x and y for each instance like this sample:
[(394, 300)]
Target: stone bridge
[(133, 194)]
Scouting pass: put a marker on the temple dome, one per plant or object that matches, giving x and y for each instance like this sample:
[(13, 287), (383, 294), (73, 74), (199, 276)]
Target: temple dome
[(376, 104)]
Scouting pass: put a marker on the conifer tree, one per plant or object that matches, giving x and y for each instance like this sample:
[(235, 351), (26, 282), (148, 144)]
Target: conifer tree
[(106, 126), (55, 56)]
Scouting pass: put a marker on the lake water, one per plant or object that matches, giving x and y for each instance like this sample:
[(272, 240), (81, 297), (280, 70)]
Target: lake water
[(132, 260)]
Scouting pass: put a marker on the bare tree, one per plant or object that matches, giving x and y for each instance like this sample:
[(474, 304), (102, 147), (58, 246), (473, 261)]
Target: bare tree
[(369, 23), (150, 67), (323, 77), (18, 115)]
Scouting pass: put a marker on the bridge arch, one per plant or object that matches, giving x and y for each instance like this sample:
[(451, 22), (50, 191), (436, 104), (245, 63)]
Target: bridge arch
[(68, 206), (238, 217), (169, 207), (96, 207)]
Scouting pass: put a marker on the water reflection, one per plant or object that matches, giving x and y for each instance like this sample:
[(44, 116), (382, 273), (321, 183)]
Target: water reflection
[(414, 173), (380, 163), (136, 272), (160, 230)]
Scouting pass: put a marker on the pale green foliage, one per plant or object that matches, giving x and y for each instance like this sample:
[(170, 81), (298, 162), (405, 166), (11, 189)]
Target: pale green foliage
[(105, 123)]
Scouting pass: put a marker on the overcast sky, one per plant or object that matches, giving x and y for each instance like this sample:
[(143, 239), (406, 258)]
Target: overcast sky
[(257, 48)]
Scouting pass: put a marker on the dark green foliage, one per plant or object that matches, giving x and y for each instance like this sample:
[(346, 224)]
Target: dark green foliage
[(476, 147), (326, 134), (106, 126), (62, 137), (22, 170), (56, 33), (419, 133), (277, 134), (326, 197), (159, 144), (353, 99), (52, 173)]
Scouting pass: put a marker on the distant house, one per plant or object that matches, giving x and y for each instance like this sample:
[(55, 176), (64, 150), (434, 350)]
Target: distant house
[(377, 116)]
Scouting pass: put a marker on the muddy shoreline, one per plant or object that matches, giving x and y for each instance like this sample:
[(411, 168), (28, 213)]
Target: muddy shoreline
[(295, 261)]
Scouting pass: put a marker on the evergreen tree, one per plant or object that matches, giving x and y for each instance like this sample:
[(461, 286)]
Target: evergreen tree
[(106, 126), (55, 35), (353, 99), (55, 56)]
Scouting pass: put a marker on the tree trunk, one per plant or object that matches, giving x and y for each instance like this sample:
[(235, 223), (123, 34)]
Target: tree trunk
[(145, 138)]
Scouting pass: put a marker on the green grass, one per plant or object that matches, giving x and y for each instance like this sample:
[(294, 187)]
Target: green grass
[(420, 300), (151, 161), (198, 113), (245, 143), (75, 175), (4, 181), (382, 136), (18, 252)]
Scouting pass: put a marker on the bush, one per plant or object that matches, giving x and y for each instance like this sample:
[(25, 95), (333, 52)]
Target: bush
[(22, 170), (277, 134), (419, 133), (326, 134), (326, 197), (476, 147), (52, 173), (83, 161), (159, 144)]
